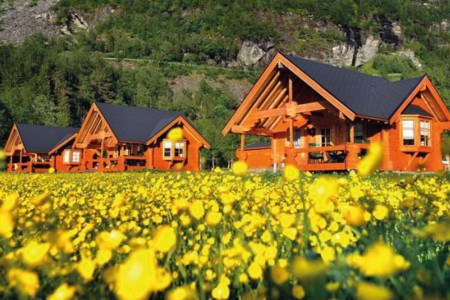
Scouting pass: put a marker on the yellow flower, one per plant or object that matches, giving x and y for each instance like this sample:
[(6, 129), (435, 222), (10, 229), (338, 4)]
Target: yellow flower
[(255, 271), (221, 291), (109, 240), (25, 282), (165, 238), (382, 261), (196, 209), (355, 216), (287, 220), (279, 275), (86, 268), (369, 291), (372, 161), (51, 170), (380, 212), (6, 224), (136, 277), (291, 173), (332, 286), (182, 293), (10, 202), (239, 168), (438, 231), (63, 292), (175, 134), (103, 256), (213, 218), (322, 192), (307, 270), (298, 292), (34, 253)]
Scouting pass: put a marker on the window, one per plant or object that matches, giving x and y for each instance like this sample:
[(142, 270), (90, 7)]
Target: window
[(359, 132), (326, 136), (173, 150), (167, 151), (71, 157), (408, 132), (67, 157), (76, 156), (297, 137), (179, 149), (425, 133)]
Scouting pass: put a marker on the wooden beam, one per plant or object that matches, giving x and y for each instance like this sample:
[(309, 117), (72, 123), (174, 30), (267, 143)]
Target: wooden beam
[(240, 129), (282, 111), (290, 89), (285, 99)]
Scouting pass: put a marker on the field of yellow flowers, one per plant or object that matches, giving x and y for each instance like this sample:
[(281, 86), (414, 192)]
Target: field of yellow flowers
[(218, 235)]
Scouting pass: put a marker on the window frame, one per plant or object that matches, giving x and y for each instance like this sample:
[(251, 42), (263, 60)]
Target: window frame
[(70, 156), (417, 130), (173, 153)]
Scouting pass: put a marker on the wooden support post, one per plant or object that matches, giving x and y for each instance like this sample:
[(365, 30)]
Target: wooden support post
[(291, 132), (20, 157), (290, 90), (242, 142), (352, 133), (100, 161)]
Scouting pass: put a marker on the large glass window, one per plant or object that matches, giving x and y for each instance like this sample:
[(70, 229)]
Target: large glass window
[(359, 133), (425, 133), (67, 157), (408, 132)]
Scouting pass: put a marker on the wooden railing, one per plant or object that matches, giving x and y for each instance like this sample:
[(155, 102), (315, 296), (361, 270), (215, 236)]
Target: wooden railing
[(120, 163), (28, 167), (329, 158)]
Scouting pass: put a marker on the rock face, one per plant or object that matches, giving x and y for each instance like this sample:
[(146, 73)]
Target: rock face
[(22, 19), (252, 54), (357, 50)]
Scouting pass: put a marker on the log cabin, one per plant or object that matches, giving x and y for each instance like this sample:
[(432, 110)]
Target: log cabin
[(120, 138), (323, 118), (35, 148)]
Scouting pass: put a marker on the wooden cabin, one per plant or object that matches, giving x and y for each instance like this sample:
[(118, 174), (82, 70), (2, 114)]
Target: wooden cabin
[(323, 118), (119, 138), (34, 148)]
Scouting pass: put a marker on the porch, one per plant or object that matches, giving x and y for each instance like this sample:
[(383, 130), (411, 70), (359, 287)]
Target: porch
[(29, 167), (328, 158)]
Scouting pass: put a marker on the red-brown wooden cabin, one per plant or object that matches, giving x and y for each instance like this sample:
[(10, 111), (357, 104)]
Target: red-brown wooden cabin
[(35, 148), (321, 117), (119, 138)]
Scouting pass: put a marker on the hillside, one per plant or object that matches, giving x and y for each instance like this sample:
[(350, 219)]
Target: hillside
[(196, 56)]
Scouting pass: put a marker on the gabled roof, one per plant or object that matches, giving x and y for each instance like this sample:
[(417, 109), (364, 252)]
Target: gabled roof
[(365, 95), (136, 124), (416, 110), (42, 139)]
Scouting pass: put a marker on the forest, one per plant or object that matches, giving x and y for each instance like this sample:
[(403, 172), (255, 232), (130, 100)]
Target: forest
[(53, 81)]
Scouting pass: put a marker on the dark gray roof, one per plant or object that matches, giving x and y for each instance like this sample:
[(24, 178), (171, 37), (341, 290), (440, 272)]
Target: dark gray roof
[(365, 95), (257, 145), (42, 139), (415, 110), (136, 124)]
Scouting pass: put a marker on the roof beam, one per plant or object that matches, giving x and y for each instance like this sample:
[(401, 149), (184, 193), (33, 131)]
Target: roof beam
[(289, 110)]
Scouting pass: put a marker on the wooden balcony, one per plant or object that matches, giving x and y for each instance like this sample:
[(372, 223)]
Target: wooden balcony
[(120, 163), (330, 158), (29, 167)]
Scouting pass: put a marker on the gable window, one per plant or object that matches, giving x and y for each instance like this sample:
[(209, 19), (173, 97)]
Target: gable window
[(408, 132), (425, 133), (173, 150)]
